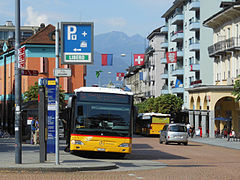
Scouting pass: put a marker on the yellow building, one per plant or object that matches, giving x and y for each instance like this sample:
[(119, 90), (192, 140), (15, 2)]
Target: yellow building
[(213, 107)]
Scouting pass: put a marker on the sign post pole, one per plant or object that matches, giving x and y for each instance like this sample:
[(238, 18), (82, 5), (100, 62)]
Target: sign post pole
[(57, 93)]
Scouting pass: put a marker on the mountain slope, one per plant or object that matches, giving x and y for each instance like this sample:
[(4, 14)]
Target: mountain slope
[(115, 43)]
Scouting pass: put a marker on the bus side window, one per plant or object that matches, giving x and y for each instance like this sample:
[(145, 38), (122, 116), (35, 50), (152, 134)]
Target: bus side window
[(80, 110)]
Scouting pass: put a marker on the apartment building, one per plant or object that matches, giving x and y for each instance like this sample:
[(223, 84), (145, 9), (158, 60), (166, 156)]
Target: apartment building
[(7, 33), (213, 107), (187, 40), (145, 80)]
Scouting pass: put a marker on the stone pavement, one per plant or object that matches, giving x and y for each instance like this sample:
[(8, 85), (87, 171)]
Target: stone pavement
[(217, 142), (30, 160)]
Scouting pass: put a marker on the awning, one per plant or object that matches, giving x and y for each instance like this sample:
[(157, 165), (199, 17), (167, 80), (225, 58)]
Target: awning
[(222, 119)]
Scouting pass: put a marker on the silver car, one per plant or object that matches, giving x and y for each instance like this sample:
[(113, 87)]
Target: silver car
[(174, 133)]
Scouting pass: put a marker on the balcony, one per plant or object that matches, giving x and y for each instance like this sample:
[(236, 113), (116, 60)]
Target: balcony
[(164, 45), (178, 71), (178, 19), (195, 67), (194, 26), (165, 74), (221, 47), (178, 90), (165, 89), (164, 60), (178, 36), (194, 5), (179, 53), (195, 46), (149, 50), (164, 30)]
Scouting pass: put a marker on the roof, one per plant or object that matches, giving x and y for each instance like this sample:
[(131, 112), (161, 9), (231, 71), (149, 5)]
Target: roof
[(102, 90), (228, 12), (171, 10), (42, 37), (154, 114), (153, 33)]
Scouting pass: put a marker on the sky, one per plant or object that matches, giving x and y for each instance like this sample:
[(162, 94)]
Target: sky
[(128, 16)]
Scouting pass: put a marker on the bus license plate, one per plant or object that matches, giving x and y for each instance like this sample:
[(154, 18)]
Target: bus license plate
[(101, 149)]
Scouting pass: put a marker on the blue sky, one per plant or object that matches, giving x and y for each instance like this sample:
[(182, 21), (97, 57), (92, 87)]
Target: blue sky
[(129, 16)]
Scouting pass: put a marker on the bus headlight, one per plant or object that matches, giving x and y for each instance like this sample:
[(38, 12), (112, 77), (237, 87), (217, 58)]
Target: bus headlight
[(77, 142), (124, 145)]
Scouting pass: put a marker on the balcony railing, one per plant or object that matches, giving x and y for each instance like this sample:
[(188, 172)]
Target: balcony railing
[(195, 5), (177, 36), (178, 18), (225, 45), (194, 26)]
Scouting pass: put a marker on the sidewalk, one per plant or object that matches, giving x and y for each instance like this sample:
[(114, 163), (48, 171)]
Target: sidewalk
[(30, 160), (217, 142)]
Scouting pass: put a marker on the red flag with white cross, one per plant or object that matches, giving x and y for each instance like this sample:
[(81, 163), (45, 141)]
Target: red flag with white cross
[(138, 59)]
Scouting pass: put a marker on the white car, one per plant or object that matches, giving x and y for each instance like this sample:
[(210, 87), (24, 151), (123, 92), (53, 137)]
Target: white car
[(174, 133)]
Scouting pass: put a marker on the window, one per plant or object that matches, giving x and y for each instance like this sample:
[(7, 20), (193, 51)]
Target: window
[(43, 65)]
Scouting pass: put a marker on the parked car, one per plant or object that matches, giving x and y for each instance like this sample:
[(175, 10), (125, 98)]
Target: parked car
[(174, 133)]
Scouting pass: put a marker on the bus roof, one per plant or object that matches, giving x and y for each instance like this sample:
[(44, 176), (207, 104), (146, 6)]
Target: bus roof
[(154, 114), (102, 90)]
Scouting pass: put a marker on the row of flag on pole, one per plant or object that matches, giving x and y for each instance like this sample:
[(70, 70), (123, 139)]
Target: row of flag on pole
[(138, 59), (107, 59)]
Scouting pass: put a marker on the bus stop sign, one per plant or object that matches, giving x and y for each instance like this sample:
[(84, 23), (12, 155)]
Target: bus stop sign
[(77, 43)]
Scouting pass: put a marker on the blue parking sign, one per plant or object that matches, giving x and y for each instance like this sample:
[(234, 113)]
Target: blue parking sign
[(76, 43)]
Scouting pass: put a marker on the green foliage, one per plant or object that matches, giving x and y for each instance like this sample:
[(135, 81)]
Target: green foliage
[(32, 94), (236, 90), (166, 104)]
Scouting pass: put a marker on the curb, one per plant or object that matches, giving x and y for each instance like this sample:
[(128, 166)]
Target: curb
[(58, 169)]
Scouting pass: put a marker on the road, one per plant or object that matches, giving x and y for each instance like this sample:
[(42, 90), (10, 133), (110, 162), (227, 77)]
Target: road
[(150, 160)]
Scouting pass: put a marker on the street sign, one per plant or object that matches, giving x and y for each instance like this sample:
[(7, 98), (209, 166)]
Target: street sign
[(62, 72), (77, 43), (29, 72), (21, 57)]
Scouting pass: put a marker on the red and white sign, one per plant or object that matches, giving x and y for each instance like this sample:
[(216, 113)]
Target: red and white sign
[(29, 72), (172, 57), (120, 76), (21, 58), (138, 59)]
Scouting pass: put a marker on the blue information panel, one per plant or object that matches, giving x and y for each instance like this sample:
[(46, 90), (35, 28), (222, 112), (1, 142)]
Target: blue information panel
[(77, 43), (51, 88)]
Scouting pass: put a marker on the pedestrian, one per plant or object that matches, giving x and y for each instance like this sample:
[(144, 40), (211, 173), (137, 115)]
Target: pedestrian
[(33, 129), (36, 137), (188, 129)]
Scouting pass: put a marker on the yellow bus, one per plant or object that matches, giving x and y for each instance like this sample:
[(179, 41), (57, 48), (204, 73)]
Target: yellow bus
[(101, 120), (151, 123)]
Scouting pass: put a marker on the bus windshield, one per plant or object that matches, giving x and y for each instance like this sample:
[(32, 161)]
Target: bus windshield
[(107, 119)]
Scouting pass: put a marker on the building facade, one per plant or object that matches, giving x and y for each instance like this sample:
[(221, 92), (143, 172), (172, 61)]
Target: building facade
[(213, 108), (145, 81), (40, 56), (7, 33), (186, 35)]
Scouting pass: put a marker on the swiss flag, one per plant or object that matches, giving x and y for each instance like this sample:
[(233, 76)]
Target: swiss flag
[(138, 59), (120, 74)]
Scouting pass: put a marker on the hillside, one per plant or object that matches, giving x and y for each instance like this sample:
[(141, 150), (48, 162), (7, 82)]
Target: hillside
[(115, 43)]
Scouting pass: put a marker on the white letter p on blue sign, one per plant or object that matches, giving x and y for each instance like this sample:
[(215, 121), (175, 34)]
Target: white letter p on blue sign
[(71, 33)]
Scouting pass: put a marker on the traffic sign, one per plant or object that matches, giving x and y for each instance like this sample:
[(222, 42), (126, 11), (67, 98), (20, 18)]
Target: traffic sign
[(77, 42), (62, 72), (29, 72)]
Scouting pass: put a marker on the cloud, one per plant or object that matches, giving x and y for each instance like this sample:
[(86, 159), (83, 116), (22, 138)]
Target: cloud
[(34, 18), (116, 22)]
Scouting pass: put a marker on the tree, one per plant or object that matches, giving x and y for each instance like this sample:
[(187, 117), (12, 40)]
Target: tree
[(236, 90), (166, 104), (32, 94)]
